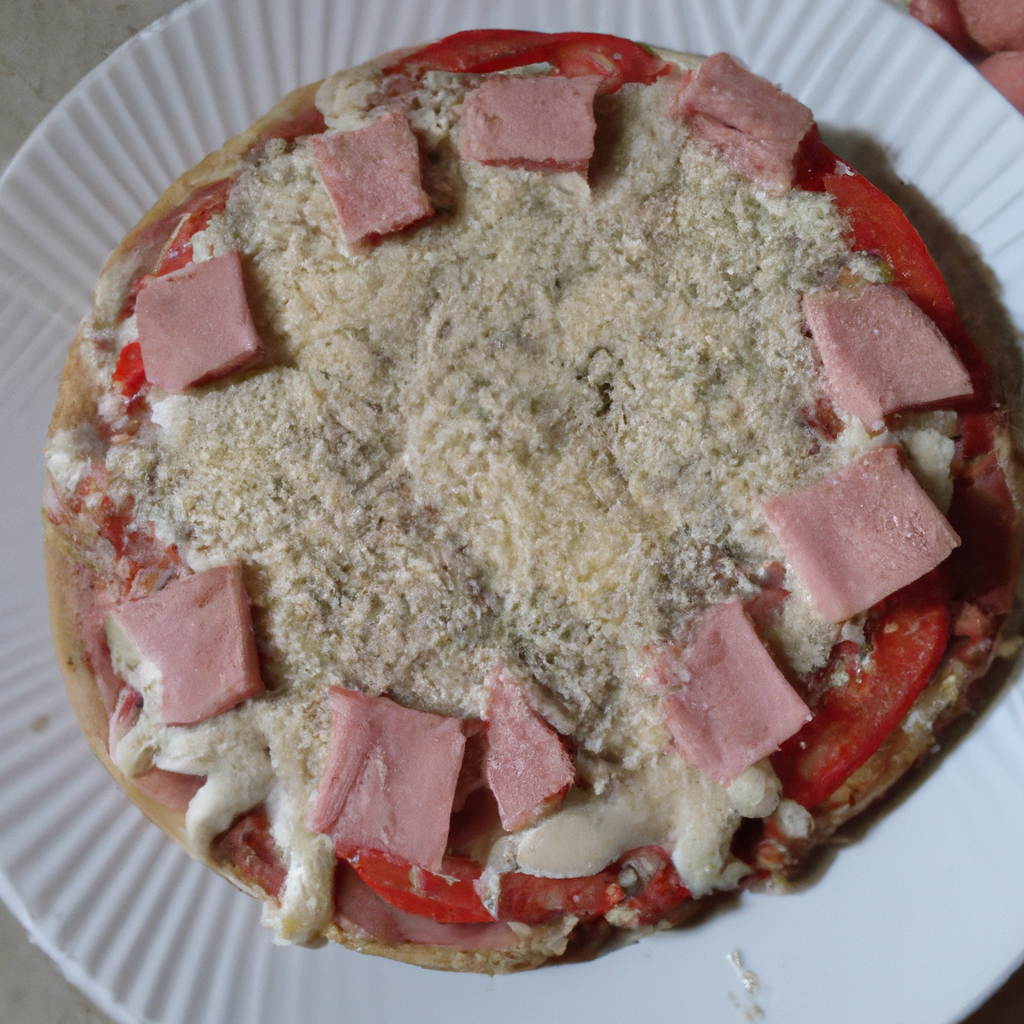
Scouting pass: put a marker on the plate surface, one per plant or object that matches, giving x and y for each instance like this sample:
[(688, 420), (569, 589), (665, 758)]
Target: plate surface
[(914, 924)]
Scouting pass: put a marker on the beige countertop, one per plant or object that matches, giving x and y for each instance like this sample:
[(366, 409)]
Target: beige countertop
[(46, 46)]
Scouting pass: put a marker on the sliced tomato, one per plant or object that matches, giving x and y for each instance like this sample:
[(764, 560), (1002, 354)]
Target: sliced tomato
[(249, 845), (529, 899), (879, 227), (851, 721), (448, 897), (663, 890), (180, 225), (129, 372), (178, 251), (114, 522), (571, 54)]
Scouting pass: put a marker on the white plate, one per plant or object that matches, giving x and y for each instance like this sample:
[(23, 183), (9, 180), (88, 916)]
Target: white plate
[(912, 925)]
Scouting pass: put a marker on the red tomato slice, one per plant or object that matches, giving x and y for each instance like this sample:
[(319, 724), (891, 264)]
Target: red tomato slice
[(449, 897), (129, 372), (664, 890), (878, 226), (570, 53), (181, 224), (908, 640), (178, 251), (529, 899)]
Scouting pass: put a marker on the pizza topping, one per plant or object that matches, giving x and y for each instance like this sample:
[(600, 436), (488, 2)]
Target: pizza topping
[(532, 900), (881, 352), (249, 846), (537, 123), (571, 54), (390, 779), (356, 902), (756, 126), (527, 768), (129, 373), (198, 633), (173, 790), (860, 534), (372, 176), (195, 325), (726, 704), (447, 896), (857, 712)]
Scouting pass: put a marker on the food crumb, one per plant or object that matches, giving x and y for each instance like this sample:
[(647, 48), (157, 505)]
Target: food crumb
[(749, 1010)]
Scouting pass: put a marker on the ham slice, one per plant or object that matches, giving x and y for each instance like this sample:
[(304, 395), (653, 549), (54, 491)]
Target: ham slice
[(860, 534), (390, 779), (756, 126), (881, 353), (198, 633), (173, 790), (372, 176), (537, 123), (527, 768), (725, 704), (195, 325)]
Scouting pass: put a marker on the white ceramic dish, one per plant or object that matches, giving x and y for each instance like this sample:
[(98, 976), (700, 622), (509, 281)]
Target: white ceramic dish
[(913, 925)]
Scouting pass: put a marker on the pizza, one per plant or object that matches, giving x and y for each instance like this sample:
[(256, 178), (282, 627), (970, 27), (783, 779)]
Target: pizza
[(522, 488)]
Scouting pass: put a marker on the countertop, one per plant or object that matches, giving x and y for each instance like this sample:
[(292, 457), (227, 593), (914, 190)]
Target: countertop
[(46, 46)]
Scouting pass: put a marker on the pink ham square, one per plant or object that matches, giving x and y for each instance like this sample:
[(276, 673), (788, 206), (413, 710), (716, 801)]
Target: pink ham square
[(527, 768), (537, 123), (757, 127), (195, 325), (390, 779), (198, 633), (726, 703), (860, 534), (372, 176), (881, 353)]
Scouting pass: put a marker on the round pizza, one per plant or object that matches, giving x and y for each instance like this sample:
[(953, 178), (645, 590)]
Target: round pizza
[(521, 488)]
